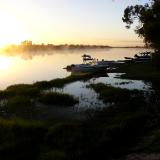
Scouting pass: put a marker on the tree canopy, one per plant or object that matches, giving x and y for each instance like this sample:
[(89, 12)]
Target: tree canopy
[(148, 17)]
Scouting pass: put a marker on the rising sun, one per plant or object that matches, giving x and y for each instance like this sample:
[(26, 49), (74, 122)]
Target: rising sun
[(11, 31)]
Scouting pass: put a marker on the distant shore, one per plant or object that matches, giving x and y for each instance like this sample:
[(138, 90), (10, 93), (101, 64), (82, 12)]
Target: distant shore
[(36, 47)]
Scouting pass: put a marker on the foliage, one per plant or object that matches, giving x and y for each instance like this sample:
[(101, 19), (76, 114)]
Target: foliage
[(117, 95), (110, 133), (20, 139), (57, 99), (156, 60), (60, 82), (131, 125), (148, 16), (139, 71), (19, 106)]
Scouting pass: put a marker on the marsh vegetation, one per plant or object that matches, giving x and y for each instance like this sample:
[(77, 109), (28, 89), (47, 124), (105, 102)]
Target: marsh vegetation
[(128, 125)]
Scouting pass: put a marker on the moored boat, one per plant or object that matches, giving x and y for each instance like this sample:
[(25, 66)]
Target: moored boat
[(85, 68), (142, 57), (89, 65), (92, 65), (109, 63)]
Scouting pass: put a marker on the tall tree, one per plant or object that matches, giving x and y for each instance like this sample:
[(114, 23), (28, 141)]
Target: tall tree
[(148, 17)]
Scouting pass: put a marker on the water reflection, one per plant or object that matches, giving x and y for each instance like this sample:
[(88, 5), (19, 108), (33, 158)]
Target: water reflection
[(113, 80), (88, 98), (29, 67)]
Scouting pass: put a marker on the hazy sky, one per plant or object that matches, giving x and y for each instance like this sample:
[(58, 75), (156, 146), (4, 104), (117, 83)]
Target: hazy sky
[(66, 21)]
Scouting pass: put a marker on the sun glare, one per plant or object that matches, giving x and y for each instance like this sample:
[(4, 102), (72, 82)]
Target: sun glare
[(11, 31), (5, 63)]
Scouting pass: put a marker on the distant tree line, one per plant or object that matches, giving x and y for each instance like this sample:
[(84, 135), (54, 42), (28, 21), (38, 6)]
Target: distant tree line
[(29, 46)]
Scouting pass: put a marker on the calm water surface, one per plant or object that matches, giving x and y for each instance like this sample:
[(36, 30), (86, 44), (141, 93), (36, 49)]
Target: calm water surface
[(37, 66), (88, 98)]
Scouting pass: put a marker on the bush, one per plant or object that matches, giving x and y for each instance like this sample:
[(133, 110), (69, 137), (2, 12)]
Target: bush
[(19, 106), (23, 90), (156, 59), (20, 139), (112, 94)]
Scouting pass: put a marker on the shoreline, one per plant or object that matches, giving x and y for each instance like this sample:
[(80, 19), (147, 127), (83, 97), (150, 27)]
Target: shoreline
[(129, 125)]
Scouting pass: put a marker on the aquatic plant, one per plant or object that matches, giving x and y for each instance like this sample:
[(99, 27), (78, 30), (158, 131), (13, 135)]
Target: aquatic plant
[(60, 82), (20, 139), (57, 99), (113, 94)]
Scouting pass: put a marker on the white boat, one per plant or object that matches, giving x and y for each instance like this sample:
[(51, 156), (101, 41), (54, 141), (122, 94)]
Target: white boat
[(91, 65), (142, 57), (86, 68)]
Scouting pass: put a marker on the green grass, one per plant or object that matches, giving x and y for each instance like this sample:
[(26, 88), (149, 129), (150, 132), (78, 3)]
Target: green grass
[(60, 82), (20, 97), (34, 90), (55, 155), (139, 71), (131, 125), (57, 99), (20, 90), (112, 94), (19, 106), (20, 139)]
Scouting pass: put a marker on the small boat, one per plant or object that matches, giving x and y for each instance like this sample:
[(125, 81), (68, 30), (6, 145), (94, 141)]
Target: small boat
[(142, 57), (89, 65), (130, 58), (86, 57), (85, 68), (92, 65)]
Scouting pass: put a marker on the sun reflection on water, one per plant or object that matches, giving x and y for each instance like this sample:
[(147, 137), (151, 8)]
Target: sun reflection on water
[(5, 63)]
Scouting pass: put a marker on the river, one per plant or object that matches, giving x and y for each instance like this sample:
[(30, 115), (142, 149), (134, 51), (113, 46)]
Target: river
[(29, 67)]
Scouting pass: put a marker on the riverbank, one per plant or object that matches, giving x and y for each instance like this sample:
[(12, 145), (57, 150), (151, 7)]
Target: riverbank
[(139, 71), (129, 125)]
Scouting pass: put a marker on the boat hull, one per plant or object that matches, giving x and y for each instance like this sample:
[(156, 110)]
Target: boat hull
[(84, 68)]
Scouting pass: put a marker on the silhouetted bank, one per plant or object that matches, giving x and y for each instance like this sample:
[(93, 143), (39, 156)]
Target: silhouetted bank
[(28, 46), (44, 47)]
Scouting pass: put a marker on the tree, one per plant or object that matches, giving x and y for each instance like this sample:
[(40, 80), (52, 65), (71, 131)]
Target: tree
[(148, 17)]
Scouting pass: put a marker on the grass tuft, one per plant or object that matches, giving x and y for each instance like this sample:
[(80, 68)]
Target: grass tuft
[(57, 99)]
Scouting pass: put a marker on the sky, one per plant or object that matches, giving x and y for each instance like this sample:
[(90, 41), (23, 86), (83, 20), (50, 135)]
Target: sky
[(66, 22)]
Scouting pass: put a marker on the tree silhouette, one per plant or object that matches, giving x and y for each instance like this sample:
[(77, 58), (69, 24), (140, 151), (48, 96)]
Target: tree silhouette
[(148, 17)]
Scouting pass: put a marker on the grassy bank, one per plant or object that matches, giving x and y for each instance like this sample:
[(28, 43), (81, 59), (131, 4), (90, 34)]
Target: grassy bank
[(21, 99), (139, 71), (129, 125), (57, 99), (60, 82), (115, 95)]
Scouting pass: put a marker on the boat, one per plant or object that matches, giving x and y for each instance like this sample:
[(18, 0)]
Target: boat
[(85, 68), (109, 63), (142, 57), (87, 57), (89, 65), (92, 65)]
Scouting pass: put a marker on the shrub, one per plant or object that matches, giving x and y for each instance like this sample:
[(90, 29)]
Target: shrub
[(156, 59), (19, 106), (20, 139)]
